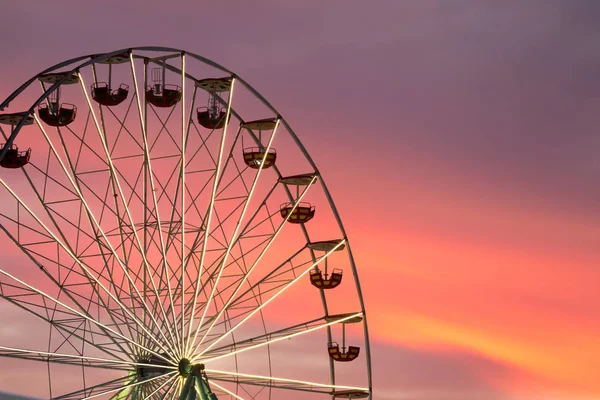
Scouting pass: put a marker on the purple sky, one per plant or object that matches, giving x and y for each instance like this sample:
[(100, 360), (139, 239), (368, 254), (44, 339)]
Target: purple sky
[(477, 117)]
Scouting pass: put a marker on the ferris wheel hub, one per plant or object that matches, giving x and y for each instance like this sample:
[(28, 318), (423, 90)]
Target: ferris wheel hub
[(185, 367)]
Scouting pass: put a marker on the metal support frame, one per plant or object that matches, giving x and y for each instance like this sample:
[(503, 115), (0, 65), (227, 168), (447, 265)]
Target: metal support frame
[(196, 386)]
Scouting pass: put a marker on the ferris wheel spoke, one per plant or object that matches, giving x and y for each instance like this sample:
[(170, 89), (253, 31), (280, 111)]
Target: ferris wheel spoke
[(193, 204), (166, 273), (197, 240), (259, 257), (172, 380), (285, 334), (234, 238), (149, 174), (161, 272), (124, 239), (243, 272), (129, 385), (22, 298), (278, 383), (115, 179), (171, 235), (174, 228), (82, 266), (101, 304), (47, 204), (262, 305), (116, 141), (175, 216), (142, 391), (205, 283), (277, 276), (241, 257), (77, 328), (261, 340), (227, 391), (29, 250), (75, 185), (118, 288), (247, 228), (212, 178), (58, 229), (209, 214), (174, 393), (184, 133), (185, 126), (78, 394), (77, 360), (47, 297), (95, 224), (195, 196)]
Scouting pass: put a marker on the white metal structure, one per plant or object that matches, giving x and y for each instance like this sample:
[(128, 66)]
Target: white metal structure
[(153, 254)]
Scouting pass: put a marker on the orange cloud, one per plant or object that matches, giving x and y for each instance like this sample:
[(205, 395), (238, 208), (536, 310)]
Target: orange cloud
[(503, 306), (548, 361)]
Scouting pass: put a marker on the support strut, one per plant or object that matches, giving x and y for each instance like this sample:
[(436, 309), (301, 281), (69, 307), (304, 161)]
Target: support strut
[(196, 386)]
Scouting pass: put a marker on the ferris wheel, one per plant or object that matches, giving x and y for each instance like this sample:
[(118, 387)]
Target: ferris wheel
[(156, 245)]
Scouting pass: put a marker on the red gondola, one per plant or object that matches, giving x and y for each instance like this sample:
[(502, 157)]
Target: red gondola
[(103, 94), (214, 115), (14, 158), (52, 111), (211, 119), (55, 115), (253, 157), (303, 213), (350, 394), (317, 279), (167, 97), (342, 355)]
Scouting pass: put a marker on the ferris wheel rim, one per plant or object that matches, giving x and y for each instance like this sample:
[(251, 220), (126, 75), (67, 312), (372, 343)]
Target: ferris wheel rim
[(90, 59)]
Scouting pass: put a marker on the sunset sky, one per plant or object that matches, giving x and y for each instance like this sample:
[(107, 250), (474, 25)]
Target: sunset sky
[(459, 140)]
